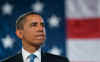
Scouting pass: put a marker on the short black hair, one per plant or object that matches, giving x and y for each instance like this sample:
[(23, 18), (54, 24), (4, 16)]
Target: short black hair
[(20, 21)]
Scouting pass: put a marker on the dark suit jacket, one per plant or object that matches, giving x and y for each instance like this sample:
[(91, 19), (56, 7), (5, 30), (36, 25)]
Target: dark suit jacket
[(46, 57)]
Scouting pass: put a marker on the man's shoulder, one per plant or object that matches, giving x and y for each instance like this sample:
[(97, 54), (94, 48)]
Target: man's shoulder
[(56, 57), (8, 59), (14, 58)]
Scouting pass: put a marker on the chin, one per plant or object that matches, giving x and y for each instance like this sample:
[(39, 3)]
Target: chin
[(37, 44)]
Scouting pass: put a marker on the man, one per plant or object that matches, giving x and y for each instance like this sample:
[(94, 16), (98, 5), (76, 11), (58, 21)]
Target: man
[(30, 29)]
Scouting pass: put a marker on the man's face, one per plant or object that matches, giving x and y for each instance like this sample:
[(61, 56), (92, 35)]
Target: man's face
[(34, 31)]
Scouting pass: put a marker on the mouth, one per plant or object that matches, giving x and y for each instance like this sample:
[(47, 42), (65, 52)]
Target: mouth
[(40, 37)]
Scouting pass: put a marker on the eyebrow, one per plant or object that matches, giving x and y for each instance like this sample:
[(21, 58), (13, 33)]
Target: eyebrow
[(35, 23)]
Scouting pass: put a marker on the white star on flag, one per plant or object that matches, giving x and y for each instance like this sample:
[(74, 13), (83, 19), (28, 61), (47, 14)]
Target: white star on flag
[(7, 42), (53, 21), (37, 7), (7, 9), (55, 51)]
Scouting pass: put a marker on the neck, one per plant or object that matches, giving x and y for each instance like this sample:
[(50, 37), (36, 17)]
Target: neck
[(29, 48)]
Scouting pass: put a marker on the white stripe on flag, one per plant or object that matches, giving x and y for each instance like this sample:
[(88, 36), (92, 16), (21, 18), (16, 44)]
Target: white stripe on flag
[(83, 50), (81, 8)]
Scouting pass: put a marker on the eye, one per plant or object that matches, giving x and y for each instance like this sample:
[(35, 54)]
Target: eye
[(34, 24), (42, 24)]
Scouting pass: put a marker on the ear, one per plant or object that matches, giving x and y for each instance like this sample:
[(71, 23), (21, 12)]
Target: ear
[(19, 33)]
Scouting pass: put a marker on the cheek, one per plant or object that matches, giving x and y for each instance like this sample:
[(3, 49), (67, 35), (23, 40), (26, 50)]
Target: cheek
[(28, 34)]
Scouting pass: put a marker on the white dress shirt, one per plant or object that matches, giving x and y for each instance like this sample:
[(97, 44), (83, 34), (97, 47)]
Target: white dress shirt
[(25, 55)]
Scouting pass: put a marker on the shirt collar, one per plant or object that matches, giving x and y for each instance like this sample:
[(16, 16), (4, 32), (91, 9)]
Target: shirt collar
[(26, 53)]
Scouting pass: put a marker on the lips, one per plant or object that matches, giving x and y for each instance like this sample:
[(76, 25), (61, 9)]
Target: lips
[(41, 36)]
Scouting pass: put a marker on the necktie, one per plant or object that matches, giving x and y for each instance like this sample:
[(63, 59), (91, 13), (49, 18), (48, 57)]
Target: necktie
[(32, 57)]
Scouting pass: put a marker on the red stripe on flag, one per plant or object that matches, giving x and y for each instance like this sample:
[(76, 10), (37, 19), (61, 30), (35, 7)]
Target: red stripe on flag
[(83, 28)]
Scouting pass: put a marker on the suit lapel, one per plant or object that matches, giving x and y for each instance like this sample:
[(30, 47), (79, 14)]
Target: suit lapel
[(43, 57), (19, 57)]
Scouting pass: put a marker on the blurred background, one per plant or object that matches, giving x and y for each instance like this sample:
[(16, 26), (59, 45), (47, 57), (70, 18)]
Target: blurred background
[(72, 27)]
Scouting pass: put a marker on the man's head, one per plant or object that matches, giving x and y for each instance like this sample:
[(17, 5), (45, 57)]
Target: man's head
[(30, 29)]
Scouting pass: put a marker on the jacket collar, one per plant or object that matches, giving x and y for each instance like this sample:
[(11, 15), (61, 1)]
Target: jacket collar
[(43, 57)]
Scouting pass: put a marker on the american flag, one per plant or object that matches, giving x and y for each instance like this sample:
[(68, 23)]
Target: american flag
[(72, 27), (83, 31)]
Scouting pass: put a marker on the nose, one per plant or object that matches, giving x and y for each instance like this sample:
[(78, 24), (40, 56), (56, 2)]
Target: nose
[(40, 28)]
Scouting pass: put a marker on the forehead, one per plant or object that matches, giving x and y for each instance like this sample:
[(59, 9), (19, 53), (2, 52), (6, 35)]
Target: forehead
[(34, 18)]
